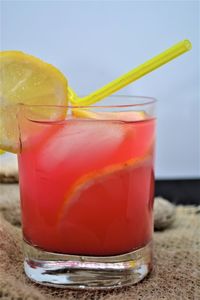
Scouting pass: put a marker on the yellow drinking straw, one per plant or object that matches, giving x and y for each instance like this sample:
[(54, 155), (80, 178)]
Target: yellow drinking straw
[(131, 76)]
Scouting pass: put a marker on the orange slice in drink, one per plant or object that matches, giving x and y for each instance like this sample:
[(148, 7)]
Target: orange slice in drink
[(102, 208), (99, 176)]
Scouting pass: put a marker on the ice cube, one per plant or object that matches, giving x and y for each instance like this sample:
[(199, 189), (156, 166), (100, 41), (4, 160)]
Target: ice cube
[(81, 141)]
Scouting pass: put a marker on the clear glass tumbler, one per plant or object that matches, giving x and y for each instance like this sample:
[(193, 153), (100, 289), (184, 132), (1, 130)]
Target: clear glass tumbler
[(87, 188)]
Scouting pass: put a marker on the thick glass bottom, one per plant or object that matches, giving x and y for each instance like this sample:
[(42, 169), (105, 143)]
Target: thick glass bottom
[(87, 272)]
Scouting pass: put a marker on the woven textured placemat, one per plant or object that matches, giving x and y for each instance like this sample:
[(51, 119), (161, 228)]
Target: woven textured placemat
[(176, 273)]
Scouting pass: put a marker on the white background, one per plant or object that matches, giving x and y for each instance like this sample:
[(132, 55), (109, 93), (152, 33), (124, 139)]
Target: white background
[(93, 42)]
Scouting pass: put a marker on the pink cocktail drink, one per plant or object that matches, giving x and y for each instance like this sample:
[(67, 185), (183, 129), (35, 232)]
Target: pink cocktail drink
[(87, 186), (87, 190)]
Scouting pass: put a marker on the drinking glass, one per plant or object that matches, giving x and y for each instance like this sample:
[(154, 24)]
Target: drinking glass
[(87, 188)]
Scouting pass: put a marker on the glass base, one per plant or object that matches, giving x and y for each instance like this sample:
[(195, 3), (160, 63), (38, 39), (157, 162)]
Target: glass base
[(87, 272)]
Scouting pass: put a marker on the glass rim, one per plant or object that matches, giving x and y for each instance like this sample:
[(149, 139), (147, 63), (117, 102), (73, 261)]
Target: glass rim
[(147, 101)]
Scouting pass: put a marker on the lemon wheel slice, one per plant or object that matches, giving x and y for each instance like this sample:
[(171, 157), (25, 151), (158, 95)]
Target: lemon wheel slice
[(127, 116), (97, 177), (27, 80)]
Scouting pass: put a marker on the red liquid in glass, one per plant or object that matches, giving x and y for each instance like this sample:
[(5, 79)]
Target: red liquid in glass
[(87, 186)]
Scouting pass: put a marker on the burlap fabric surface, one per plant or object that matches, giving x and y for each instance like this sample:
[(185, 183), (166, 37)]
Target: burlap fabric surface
[(176, 273)]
